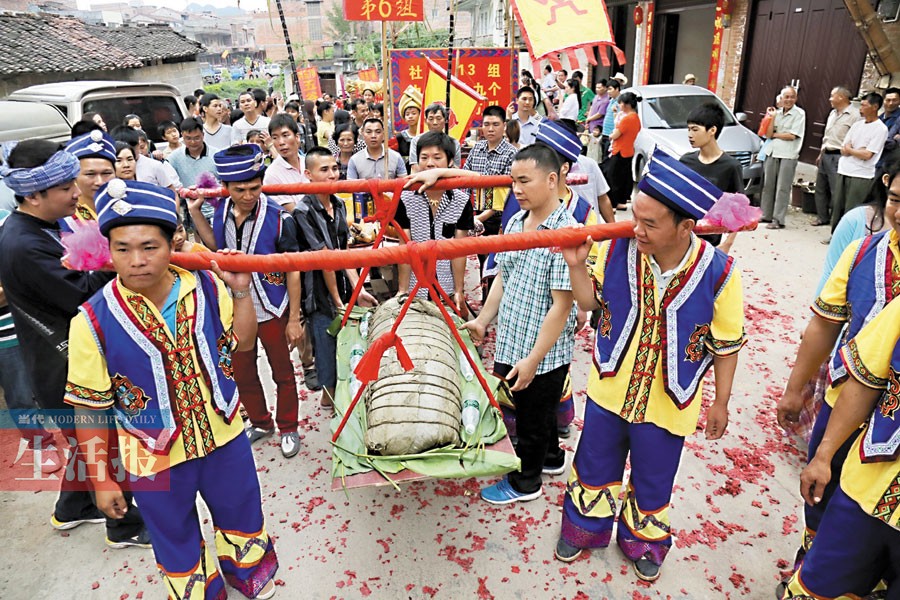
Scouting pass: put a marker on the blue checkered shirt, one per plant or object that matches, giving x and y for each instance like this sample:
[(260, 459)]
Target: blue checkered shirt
[(528, 278)]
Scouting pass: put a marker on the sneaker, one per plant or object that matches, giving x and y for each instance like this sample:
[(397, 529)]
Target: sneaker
[(645, 569), (141, 540), (49, 459), (95, 518), (311, 379), (564, 432), (254, 434), (565, 552), (554, 470), (503, 492), (290, 444)]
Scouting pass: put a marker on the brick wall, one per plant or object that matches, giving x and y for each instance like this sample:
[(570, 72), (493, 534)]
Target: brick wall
[(185, 76), (733, 48)]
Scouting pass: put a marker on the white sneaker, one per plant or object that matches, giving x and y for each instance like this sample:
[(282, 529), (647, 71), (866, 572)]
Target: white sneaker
[(290, 444)]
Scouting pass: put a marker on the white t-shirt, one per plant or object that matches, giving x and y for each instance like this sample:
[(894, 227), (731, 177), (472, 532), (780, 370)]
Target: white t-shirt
[(870, 136), (596, 185), (241, 128), (219, 140), (569, 108), (149, 170)]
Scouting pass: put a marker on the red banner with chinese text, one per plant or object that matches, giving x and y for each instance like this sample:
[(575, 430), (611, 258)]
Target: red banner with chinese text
[(384, 10), (491, 72), (369, 74), (309, 83), (718, 31), (648, 44)]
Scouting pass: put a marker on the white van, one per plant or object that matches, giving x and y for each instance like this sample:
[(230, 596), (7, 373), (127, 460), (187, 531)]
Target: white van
[(154, 103), (24, 121)]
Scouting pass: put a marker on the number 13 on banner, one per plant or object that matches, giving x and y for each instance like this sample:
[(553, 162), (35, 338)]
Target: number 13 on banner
[(384, 10)]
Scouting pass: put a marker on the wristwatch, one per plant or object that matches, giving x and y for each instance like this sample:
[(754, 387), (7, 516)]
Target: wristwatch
[(238, 294)]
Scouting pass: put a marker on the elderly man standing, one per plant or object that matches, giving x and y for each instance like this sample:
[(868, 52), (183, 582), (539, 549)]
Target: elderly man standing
[(786, 129), (859, 154), (842, 116)]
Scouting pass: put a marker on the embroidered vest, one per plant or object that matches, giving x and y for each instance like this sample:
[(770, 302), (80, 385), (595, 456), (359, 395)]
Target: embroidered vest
[(579, 208), (685, 314), (270, 288), (869, 289), (145, 374), (882, 437)]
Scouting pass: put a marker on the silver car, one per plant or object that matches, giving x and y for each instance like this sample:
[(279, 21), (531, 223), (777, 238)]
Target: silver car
[(663, 112)]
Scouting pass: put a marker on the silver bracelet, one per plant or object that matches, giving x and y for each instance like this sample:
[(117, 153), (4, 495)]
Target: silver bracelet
[(238, 294)]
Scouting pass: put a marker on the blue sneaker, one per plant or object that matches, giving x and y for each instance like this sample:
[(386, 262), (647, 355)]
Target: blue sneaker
[(503, 493)]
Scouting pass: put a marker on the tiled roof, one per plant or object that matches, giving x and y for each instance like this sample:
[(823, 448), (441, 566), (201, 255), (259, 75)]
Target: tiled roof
[(41, 43)]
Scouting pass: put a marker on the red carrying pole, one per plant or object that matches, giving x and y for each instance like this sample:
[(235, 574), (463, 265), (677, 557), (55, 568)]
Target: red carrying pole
[(381, 185), (335, 260)]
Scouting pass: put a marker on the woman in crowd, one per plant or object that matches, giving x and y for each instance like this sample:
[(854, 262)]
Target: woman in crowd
[(571, 105), (617, 168), (126, 161), (345, 139)]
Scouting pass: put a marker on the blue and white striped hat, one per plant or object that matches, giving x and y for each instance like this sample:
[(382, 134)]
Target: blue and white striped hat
[(240, 163), (559, 137), (678, 187), (94, 144), (121, 202)]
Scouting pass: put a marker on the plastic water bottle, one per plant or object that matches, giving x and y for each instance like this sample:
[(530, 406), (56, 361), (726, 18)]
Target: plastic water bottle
[(470, 414), (356, 354), (465, 368)]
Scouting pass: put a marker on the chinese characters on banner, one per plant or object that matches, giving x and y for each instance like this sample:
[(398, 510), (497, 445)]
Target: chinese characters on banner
[(309, 83), (369, 74), (648, 44), (718, 31), (384, 10), (490, 72)]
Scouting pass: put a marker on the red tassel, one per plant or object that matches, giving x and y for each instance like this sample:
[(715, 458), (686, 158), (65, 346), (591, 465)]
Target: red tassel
[(370, 364), (604, 55)]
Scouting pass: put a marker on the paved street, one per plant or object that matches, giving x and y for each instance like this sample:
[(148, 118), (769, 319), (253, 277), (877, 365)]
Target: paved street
[(735, 512)]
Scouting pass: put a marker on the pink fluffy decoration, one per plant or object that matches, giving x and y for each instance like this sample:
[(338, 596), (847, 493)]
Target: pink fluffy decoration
[(208, 181), (86, 248), (733, 211)]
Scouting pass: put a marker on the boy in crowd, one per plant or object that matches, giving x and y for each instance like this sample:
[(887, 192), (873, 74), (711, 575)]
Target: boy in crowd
[(322, 223), (172, 135), (705, 125), (437, 215)]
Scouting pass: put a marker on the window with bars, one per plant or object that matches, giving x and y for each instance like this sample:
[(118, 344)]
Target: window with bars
[(315, 29)]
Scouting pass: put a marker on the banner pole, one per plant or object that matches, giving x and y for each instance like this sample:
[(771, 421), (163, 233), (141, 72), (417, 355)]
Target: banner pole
[(386, 108), (450, 9)]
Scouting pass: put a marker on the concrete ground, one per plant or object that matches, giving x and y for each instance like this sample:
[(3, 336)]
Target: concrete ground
[(736, 508)]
